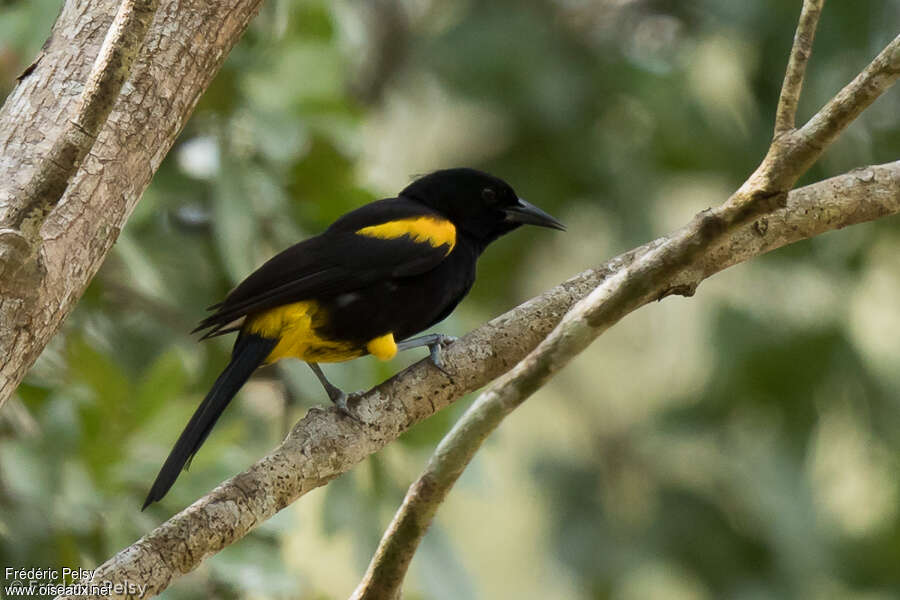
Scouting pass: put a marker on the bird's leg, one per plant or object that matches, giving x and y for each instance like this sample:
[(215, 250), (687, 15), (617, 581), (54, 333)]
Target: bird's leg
[(335, 394), (435, 342)]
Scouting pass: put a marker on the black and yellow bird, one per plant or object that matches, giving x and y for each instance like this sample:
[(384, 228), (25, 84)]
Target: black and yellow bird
[(376, 276)]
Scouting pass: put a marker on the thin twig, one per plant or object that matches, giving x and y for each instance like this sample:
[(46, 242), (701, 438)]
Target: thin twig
[(786, 113), (824, 127), (793, 153)]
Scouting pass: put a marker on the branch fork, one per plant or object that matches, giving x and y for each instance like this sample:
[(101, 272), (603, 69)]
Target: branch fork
[(676, 262)]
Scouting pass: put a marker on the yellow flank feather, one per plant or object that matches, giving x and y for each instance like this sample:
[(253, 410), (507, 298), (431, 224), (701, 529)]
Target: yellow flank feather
[(383, 348), (293, 325), (435, 231)]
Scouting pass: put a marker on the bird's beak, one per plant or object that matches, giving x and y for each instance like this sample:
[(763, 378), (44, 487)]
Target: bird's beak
[(529, 214)]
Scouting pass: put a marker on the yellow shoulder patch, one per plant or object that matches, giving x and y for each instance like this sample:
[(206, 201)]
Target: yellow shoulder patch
[(437, 232)]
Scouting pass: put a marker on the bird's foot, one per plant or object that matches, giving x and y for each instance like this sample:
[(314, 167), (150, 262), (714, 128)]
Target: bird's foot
[(337, 396), (435, 349), (342, 404), (342, 399)]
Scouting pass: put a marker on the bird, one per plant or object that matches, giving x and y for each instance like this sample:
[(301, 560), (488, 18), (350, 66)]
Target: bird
[(375, 277)]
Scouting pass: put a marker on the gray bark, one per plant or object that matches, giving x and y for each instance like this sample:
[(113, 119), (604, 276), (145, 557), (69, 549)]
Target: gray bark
[(45, 270)]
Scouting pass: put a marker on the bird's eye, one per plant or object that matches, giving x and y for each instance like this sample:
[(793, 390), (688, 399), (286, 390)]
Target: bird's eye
[(489, 195)]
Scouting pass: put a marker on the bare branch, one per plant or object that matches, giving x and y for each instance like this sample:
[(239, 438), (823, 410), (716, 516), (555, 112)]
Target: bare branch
[(680, 262), (325, 444), (793, 153), (862, 195), (28, 208), (384, 577), (824, 127), (173, 67), (786, 113)]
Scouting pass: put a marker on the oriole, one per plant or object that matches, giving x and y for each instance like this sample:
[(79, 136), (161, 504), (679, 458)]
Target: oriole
[(375, 277)]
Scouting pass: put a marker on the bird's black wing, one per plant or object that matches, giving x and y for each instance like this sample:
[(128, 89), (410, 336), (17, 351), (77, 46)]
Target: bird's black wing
[(337, 261)]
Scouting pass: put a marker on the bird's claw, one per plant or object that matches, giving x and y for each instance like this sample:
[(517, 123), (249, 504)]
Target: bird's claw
[(341, 401), (435, 350)]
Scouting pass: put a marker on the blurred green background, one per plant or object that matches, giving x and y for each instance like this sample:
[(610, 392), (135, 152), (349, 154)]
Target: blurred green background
[(744, 443)]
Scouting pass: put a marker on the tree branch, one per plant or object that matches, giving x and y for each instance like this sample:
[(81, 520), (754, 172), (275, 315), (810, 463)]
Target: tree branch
[(824, 127), (646, 274), (37, 197), (680, 263), (62, 108), (786, 113), (325, 444), (793, 153)]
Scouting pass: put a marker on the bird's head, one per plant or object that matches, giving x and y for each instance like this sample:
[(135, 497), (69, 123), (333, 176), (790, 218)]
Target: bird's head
[(481, 205)]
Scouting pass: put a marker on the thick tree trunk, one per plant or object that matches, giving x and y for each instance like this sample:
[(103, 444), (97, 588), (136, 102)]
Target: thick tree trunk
[(48, 271)]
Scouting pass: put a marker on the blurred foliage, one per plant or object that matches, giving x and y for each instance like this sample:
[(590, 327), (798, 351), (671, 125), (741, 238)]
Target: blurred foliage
[(740, 444)]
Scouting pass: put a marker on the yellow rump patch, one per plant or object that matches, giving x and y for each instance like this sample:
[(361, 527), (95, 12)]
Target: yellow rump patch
[(383, 348), (293, 325), (437, 232)]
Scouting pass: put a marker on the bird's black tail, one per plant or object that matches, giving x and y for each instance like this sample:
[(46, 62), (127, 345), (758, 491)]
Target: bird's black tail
[(249, 352)]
